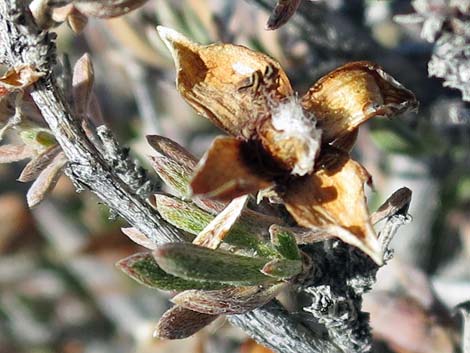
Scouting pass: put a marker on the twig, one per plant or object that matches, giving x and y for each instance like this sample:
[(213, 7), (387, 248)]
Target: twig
[(272, 326)]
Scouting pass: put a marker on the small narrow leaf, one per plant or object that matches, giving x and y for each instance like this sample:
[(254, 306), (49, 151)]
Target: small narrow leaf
[(32, 170), (282, 268), (228, 301), (285, 243), (175, 166), (398, 201), (107, 8), (82, 84), (178, 323), (198, 263), (14, 153), (183, 215), (137, 237), (283, 11), (46, 180), (144, 269)]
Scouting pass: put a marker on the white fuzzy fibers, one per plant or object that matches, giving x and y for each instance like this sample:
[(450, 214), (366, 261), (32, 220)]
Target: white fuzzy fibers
[(295, 123)]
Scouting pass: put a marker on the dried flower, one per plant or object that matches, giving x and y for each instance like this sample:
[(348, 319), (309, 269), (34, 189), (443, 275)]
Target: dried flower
[(297, 147)]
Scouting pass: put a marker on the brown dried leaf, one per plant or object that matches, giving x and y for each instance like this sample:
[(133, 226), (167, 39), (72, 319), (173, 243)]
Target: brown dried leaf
[(15, 153), (46, 180), (107, 8), (32, 170), (139, 238), (82, 84), (212, 80), (283, 11), (18, 78), (179, 323), (235, 300), (216, 231), (352, 94), (223, 173), (333, 197)]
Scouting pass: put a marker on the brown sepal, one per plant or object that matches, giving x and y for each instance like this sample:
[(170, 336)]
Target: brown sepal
[(224, 173), (216, 231), (333, 197)]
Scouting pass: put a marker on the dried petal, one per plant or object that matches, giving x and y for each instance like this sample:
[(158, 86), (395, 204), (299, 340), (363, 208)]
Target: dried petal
[(194, 262), (216, 231), (15, 153), (225, 171), (352, 94), (32, 170), (139, 238), (46, 180), (178, 323), (107, 8), (144, 269), (228, 301), (283, 11), (82, 84), (212, 80), (18, 78), (334, 196)]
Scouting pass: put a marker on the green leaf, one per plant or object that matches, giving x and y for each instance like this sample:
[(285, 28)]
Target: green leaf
[(282, 268), (284, 242), (194, 262), (173, 164), (144, 269)]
